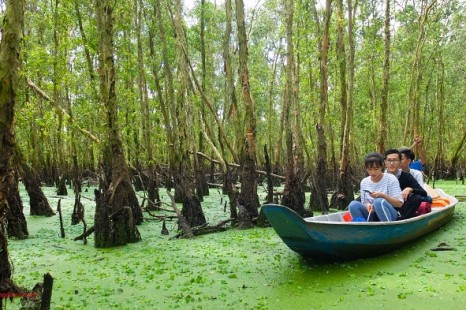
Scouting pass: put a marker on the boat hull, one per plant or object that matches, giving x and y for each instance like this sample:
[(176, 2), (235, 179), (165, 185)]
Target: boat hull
[(318, 237)]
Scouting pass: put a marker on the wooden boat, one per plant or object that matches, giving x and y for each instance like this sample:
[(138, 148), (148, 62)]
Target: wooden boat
[(333, 236)]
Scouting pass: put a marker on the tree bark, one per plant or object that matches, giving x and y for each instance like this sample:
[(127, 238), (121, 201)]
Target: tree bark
[(143, 92), (11, 208), (383, 129), (38, 203), (344, 193), (183, 163), (412, 115), (319, 192), (248, 199), (10, 203), (117, 210), (293, 196)]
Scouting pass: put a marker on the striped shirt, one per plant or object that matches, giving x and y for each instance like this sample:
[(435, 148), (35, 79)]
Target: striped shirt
[(388, 184)]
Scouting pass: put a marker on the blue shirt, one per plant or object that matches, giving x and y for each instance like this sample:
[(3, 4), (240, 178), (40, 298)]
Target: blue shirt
[(416, 165)]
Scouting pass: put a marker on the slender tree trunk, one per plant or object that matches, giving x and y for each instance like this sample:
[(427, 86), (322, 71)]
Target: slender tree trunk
[(143, 93), (249, 199), (319, 192), (58, 142), (344, 193), (412, 115), (117, 210), (293, 196), (383, 129), (271, 119), (183, 163), (167, 103), (202, 188)]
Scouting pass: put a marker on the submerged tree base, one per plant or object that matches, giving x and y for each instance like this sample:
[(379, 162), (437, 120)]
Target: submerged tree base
[(114, 222)]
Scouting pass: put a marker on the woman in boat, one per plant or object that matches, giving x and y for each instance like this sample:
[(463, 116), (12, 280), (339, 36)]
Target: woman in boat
[(380, 193)]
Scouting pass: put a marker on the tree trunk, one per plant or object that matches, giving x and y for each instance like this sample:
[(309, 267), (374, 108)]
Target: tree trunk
[(10, 202), (39, 204), (143, 93), (167, 103), (344, 193), (248, 199), (231, 101), (202, 188), (117, 210), (383, 129), (412, 115), (183, 163), (322, 181), (11, 208), (293, 196)]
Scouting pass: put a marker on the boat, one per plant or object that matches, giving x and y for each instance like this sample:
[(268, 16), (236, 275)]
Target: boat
[(335, 236)]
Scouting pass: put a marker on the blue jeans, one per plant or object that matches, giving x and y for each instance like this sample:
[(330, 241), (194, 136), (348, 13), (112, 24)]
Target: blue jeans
[(382, 208)]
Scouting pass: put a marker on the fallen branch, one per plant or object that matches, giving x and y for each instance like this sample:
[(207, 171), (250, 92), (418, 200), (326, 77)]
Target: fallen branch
[(161, 217), (205, 229), (85, 234)]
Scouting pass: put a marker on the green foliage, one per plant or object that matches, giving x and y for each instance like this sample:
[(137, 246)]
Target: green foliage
[(62, 66)]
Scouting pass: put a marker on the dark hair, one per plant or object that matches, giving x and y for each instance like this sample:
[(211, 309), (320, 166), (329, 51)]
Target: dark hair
[(373, 160), (392, 151), (408, 153)]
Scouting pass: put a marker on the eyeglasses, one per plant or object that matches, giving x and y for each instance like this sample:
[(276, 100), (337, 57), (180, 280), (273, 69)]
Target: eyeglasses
[(392, 161)]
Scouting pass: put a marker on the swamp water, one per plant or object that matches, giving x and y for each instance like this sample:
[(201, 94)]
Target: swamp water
[(249, 269)]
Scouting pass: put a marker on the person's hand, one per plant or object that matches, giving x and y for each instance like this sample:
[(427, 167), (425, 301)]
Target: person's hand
[(369, 207), (377, 195), (418, 141), (406, 192)]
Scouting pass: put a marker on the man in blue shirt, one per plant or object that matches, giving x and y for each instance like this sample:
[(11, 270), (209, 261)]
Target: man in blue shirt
[(421, 162)]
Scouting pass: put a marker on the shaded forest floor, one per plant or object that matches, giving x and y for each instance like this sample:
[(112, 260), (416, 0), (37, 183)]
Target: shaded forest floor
[(250, 269)]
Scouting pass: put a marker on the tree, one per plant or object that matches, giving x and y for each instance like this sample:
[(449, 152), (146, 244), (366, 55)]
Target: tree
[(293, 196), (249, 200), (117, 210), (143, 92), (385, 80), (344, 193), (412, 115), (10, 204), (180, 113), (321, 180)]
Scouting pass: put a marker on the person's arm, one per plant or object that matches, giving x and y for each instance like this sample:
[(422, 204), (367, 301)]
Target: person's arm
[(394, 201), (420, 150), (413, 186), (394, 192)]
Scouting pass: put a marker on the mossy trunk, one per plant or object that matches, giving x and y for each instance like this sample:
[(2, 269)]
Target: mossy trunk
[(17, 225), (117, 209), (38, 203), (11, 208), (248, 200)]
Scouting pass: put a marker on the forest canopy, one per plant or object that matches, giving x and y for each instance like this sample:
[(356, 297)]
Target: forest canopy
[(59, 114)]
